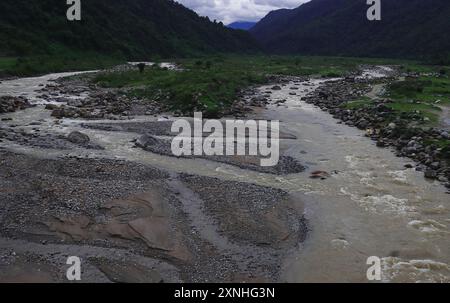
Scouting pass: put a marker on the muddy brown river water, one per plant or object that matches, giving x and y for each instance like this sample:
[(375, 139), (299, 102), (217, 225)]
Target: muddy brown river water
[(371, 206)]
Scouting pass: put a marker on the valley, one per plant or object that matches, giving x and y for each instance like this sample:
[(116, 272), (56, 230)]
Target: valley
[(77, 181)]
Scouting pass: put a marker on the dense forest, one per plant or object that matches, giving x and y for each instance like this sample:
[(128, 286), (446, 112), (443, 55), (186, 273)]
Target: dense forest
[(408, 29), (128, 28)]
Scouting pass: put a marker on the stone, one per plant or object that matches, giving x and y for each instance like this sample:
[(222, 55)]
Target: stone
[(146, 140), (9, 104), (392, 125), (78, 138), (435, 165), (445, 135), (319, 175), (381, 143), (430, 174)]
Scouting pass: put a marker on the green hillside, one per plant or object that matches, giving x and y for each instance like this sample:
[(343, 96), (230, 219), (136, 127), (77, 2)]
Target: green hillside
[(133, 29)]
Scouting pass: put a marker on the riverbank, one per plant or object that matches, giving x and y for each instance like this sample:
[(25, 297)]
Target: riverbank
[(410, 132), (139, 215)]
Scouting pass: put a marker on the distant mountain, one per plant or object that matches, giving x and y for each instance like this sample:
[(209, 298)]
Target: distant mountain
[(242, 25), (133, 28), (409, 28)]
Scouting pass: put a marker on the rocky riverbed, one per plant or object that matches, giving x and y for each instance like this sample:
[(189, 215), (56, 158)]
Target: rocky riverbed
[(9, 104), (86, 171), (158, 225), (128, 222)]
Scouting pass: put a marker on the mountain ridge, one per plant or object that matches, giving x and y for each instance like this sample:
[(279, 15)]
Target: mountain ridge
[(132, 28), (243, 25), (408, 29)]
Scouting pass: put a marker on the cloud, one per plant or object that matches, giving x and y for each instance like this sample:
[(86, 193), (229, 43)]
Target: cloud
[(238, 10)]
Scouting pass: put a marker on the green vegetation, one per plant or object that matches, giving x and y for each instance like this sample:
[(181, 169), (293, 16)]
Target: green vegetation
[(359, 103), (423, 95), (211, 84), (132, 29), (7, 63), (430, 112), (37, 65), (429, 89)]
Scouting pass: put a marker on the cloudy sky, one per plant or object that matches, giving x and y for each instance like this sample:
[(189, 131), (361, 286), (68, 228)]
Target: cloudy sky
[(238, 10)]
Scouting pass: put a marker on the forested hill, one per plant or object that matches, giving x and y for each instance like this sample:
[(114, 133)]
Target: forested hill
[(131, 28), (408, 29)]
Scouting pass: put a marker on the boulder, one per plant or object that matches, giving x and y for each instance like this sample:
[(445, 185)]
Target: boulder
[(146, 140), (430, 174), (78, 138)]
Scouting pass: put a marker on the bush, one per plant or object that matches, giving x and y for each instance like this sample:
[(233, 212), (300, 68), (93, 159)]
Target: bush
[(409, 88)]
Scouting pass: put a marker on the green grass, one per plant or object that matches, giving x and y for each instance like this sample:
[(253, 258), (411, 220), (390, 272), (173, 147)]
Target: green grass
[(429, 89), (425, 110), (423, 95), (359, 103)]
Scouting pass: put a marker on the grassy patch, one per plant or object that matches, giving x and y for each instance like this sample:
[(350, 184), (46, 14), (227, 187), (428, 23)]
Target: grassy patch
[(422, 95), (429, 89), (424, 110), (359, 103)]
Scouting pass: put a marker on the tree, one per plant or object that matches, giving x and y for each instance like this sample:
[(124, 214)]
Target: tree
[(141, 67)]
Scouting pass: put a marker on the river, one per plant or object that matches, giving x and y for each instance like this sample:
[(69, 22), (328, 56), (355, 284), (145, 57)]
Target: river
[(370, 206)]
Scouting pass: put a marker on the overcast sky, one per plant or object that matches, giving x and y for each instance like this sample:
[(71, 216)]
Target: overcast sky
[(238, 10)]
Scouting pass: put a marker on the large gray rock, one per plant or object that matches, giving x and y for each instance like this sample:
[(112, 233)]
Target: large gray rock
[(78, 138), (445, 135), (146, 141)]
